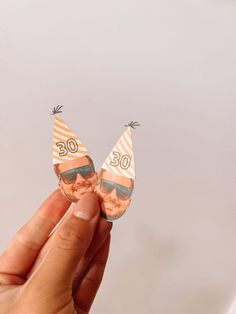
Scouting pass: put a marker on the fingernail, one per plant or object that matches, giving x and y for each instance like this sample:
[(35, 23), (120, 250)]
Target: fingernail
[(86, 208)]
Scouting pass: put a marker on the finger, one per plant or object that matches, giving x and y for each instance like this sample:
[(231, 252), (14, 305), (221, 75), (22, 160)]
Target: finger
[(25, 245), (89, 286), (6, 279), (102, 232), (68, 244), (44, 249)]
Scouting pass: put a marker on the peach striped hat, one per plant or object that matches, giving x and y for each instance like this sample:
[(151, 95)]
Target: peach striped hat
[(66, 145), (121, 159)]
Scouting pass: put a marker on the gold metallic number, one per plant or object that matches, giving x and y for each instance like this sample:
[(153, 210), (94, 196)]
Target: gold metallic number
[(63, 149), (116, 159), (124, 161), (70, 146)]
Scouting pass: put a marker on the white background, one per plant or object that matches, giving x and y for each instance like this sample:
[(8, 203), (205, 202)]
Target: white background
[(171, 65)]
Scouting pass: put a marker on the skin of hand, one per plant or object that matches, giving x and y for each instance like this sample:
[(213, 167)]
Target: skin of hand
[(59, 272)]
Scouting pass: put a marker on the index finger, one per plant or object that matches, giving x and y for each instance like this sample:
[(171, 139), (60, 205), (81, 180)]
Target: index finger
[(25, 245)]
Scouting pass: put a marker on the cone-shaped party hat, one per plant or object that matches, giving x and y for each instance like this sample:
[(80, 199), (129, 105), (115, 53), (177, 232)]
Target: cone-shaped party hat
[(66, 145), (121, 159)]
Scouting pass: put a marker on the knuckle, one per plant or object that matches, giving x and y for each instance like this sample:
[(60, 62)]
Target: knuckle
[(92, 282), (7, 279), (21, 239), (68, 239)]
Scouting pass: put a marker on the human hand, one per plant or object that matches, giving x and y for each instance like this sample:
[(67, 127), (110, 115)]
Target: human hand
[(61, 273)]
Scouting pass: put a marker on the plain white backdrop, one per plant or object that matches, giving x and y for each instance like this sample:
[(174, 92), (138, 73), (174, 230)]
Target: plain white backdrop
[(171, 65)]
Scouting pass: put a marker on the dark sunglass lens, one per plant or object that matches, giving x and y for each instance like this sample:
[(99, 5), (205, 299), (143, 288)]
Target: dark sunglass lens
[(106, 186), (69, 177), (123, 193), (86, 171)]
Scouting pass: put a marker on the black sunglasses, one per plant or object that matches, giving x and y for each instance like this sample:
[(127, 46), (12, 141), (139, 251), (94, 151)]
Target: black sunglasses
[(122, 191), (69, 177)]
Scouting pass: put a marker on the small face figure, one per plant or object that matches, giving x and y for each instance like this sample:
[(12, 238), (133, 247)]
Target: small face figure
[(77, 177), (115, 192)]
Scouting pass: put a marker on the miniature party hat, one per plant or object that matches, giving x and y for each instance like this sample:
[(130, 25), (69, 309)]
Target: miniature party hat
[(66, 145), (120, 161)]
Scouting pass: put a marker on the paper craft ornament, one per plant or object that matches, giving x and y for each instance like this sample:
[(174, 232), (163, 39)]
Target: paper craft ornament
[(116, 178), (72, 163), (66, 145), (120, 161)]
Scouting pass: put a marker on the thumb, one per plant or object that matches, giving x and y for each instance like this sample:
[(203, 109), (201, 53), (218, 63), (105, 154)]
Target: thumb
[(69, 243)]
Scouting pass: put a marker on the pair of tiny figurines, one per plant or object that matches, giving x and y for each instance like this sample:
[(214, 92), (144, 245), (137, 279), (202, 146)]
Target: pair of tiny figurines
[(74, 167)]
